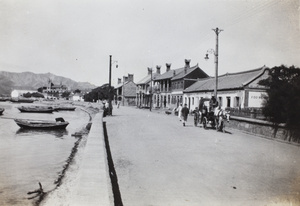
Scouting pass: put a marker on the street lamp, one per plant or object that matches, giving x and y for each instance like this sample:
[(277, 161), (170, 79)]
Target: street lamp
[(109, 85), (216, 53)]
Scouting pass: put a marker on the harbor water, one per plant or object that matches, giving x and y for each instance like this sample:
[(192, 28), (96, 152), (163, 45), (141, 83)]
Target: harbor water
[(29, 157)]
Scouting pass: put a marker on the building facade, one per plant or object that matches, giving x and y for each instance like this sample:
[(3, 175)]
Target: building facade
[(125, 91), (145, 88), (170, 85), (235, 90)]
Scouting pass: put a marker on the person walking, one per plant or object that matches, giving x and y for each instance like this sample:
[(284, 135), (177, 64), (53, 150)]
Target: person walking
[(185, 112), (179, 108)]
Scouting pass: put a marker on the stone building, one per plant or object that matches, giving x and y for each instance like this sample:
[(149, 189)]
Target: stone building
[(126, 91)]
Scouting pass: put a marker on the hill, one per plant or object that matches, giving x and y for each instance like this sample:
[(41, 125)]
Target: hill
[(31, 81)]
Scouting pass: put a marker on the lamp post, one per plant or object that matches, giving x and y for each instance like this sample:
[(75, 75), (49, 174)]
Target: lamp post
[(216, 53), (109, 86)]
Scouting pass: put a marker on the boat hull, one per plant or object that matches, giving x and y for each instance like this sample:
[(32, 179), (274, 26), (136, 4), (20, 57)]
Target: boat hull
[(36, 109), (40, 124)]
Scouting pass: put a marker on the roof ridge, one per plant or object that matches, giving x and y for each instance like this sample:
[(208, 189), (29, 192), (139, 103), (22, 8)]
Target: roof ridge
[(244, 72)]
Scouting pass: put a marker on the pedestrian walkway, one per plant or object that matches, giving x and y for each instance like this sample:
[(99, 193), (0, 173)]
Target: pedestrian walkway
[(160, 162)]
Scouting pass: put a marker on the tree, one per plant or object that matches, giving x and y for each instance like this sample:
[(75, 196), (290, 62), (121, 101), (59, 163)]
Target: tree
[(77, 91), (65, 94), (100, 93), (283, 97)]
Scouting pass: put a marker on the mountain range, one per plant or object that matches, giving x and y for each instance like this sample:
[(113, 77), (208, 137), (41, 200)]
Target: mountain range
[(31, 81)]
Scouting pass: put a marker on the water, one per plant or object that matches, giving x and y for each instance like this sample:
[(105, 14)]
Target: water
[(28, 157)]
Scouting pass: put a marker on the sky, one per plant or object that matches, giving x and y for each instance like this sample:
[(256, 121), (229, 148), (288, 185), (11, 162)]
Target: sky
[(74, 38)]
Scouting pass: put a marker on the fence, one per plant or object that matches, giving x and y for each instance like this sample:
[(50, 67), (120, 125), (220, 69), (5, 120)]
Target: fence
[(254, 113)]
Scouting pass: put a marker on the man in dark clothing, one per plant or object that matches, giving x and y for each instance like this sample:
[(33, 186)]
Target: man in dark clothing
[(213, 103), (185, 112)]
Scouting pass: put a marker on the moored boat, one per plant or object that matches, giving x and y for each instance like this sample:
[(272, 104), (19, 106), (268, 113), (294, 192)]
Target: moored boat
[(21, 100), (36, 109), (66, 108), (1, 111), (59, 123)]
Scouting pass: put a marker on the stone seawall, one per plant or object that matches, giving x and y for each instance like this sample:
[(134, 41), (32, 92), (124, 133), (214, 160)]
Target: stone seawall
[(94, 186), (259, 128)]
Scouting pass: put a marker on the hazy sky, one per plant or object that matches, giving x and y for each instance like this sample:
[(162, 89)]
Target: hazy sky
[(74, 38)]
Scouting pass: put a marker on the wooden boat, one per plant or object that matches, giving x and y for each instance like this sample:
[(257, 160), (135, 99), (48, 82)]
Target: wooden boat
[(59, 123), (66, 108), (21, 100), (36, 109), (1, 110)]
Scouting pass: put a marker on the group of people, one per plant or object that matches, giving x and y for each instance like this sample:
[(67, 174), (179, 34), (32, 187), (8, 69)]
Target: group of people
[(183, 112)]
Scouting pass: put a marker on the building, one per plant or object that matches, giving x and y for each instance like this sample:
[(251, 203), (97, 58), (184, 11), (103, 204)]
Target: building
[(170, 85), (125, 91), (236, 90), (54, 91), (144, 88)]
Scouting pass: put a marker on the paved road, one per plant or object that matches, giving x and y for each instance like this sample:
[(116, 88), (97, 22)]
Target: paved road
[(159, 162)]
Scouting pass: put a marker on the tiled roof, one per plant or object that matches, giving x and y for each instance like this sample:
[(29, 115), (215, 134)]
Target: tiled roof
[(121, 85), (182, 73), (169, 74), (227, 81), (147, 79)]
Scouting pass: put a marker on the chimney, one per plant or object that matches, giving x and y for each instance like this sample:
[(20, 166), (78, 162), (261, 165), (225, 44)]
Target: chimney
[(149, 70), (168, 67), (174, 73), (119, 80), (125, 79), (187, 63), (158, 69), (130, 77)]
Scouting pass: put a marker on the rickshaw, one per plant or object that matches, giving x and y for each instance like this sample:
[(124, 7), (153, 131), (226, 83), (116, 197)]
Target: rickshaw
[(207, 117), (216, 119)]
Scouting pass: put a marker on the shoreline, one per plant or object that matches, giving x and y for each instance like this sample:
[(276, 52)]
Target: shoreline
[(63, 193)]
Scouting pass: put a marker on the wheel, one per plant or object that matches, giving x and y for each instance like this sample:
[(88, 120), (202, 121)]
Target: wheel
[(205, 123)]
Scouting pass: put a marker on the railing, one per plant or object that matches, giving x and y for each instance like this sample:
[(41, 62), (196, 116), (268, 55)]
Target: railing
[(254, 113)]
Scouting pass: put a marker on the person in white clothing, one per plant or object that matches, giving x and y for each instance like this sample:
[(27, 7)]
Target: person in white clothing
[(179, 112)]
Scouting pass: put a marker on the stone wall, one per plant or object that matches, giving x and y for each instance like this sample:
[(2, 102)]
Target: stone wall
[(260, 128)]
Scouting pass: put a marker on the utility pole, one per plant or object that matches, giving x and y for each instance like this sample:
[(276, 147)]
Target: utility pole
[(109, 88), (217, 31), (151, 91)]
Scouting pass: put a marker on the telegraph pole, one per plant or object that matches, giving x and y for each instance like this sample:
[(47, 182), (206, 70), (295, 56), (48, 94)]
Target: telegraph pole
[(217, 31), (109, 88)]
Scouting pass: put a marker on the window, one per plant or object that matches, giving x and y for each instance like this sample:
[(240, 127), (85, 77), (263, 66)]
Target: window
[(228, 101), (237, 101), (192, 100), (220, 101)]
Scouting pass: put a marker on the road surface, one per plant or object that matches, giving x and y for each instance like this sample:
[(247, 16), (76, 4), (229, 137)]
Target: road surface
[(159, 162)]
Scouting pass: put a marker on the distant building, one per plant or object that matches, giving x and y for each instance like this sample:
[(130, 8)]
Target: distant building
[(77, 97), (126, 91), (235, 90), (144, 88), (54, 91)]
